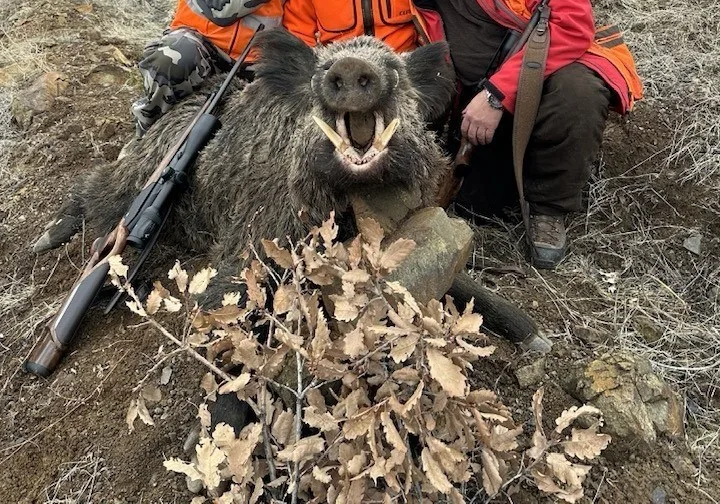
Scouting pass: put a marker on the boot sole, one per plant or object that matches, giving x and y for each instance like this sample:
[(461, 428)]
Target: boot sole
[(544, 262)]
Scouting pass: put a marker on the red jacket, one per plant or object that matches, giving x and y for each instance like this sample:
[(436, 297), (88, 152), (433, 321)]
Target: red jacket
[(573, 37)]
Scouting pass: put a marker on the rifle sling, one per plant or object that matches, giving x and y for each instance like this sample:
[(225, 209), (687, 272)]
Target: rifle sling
[(530, 86)]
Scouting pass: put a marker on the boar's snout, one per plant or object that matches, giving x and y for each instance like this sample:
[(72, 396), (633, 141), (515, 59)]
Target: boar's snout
[(352, 85)]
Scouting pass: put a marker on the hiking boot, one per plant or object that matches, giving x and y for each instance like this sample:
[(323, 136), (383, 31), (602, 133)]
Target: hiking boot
[(548, 240)]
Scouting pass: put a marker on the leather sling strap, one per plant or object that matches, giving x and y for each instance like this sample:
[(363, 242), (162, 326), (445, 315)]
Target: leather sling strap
[(530, 86)]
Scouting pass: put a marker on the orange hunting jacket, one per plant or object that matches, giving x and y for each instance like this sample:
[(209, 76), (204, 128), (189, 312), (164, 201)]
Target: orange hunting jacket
[(573, 37), (229, 27), (326, 21)]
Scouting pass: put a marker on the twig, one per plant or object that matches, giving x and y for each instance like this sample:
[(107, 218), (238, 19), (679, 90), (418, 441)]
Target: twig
[(298, 426), (155, 368), (195, 355), (266, 429), (602, 480)]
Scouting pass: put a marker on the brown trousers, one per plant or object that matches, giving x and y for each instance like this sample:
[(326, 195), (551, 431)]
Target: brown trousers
[(558, 161)]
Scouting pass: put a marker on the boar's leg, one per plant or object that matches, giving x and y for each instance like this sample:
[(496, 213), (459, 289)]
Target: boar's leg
[(58, 231), (225, 282), (499, 315)]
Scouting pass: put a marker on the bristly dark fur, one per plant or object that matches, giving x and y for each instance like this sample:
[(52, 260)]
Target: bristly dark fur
[(286, 65), (270, 160), (432, 78)]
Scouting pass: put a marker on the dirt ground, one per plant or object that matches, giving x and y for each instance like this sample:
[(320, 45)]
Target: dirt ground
[(65, 439)]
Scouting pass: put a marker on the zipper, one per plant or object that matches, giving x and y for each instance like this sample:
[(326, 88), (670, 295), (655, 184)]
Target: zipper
[(367, 15)]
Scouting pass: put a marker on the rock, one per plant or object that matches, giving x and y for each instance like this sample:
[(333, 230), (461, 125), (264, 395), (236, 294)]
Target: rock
[(683, 467), (636, 404), (592, 337), (658, 496), (443, 245), (194, 486), (531, 374), (106, 75), (165, 375), (647, 329), (39, 97), (693, 243), (151, 394), (107, 130), (387, 206)]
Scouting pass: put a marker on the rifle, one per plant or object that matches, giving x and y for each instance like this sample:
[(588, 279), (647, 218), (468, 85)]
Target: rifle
[(139, 228), (511, 44)]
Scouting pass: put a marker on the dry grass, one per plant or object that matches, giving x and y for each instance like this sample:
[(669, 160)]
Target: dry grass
[(629, 276), (136, 21), (678, 54), (77, 481)]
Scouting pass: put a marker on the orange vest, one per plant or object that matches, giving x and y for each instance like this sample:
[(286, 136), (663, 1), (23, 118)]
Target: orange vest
[(230, 39), (609, 44), (327, 21)]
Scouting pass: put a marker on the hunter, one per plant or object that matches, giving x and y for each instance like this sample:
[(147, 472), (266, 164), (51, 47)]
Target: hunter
[(589, 71), (204, 36)]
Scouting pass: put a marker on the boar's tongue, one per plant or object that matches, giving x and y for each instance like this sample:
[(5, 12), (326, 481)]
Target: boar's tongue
[(361, 128)]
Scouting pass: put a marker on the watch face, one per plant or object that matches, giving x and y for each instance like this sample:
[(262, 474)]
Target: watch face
[(493, 101)]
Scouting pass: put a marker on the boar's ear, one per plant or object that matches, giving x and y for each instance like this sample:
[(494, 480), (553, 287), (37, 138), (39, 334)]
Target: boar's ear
[(285, 64), (432, 75)]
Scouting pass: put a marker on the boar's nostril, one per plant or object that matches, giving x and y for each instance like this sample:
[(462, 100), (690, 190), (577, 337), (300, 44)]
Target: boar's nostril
[(363, 80), (337, 81)]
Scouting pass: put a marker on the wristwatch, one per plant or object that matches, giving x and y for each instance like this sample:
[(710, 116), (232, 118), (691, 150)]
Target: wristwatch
[(492, 100)]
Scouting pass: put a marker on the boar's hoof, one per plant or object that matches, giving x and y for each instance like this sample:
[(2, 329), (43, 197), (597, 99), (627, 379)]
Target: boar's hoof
[(58, 232), (499, 315)]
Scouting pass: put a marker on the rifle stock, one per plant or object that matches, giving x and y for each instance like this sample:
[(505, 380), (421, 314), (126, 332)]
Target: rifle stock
[(450, 187), (48, 351)]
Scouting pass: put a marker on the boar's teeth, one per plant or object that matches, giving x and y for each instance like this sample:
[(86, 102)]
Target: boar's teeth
[(379, 122), (336, 139), (386, 135)]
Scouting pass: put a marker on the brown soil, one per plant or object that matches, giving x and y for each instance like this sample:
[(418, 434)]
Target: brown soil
[(49, 426)]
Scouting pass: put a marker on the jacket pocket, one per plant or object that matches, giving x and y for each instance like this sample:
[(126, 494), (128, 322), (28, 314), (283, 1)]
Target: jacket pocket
[(336, 16), (393, 12)]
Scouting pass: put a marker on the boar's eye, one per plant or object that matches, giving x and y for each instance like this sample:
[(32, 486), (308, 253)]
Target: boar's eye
[(326, 66)]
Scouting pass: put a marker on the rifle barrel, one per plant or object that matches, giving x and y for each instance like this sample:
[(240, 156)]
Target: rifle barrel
[(235, 69)]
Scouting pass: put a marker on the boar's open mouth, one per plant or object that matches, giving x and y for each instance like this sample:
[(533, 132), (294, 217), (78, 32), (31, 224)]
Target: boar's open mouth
[(359, 137)]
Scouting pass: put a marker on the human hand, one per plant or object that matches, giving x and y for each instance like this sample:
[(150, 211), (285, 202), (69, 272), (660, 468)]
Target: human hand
[(480, 120)]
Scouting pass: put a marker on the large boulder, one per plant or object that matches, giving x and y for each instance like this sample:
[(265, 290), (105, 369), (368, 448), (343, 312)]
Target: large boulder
[(443, 244), (638, 406)]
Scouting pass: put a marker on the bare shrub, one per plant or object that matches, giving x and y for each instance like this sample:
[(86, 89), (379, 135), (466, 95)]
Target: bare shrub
[(371, 404)]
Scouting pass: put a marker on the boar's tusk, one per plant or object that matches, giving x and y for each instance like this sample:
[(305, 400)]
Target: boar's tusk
[(336, 139), (386, 135)]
